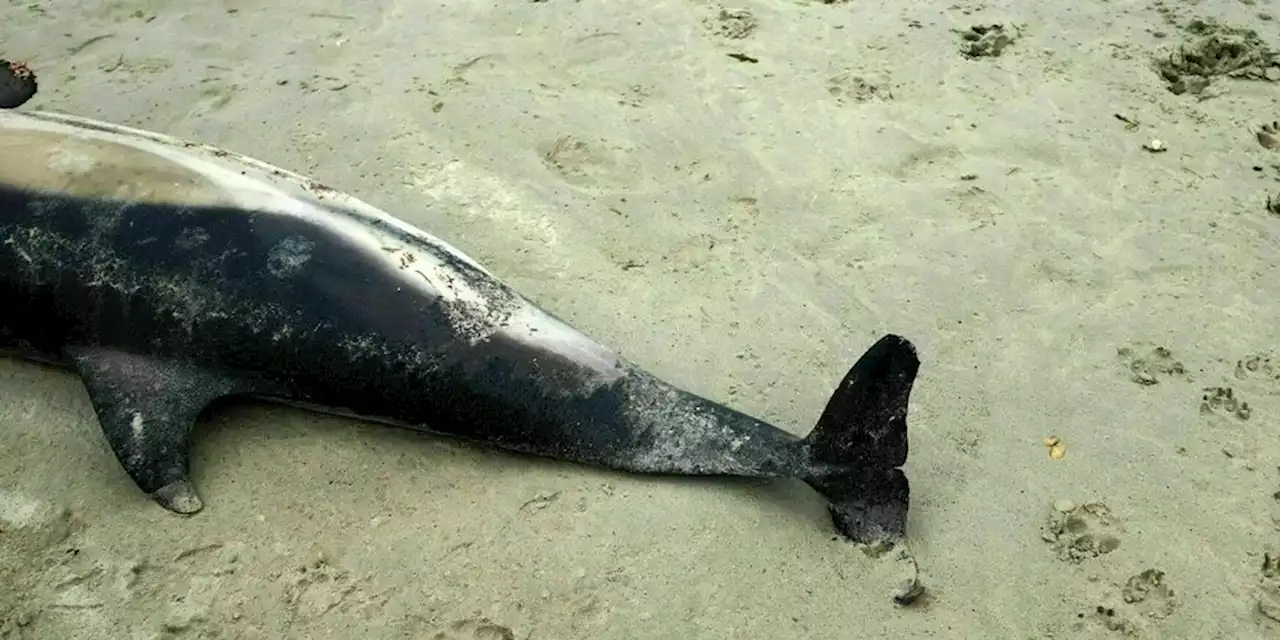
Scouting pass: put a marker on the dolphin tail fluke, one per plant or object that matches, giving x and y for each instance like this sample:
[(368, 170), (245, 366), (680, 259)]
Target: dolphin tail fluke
[(861, 440)]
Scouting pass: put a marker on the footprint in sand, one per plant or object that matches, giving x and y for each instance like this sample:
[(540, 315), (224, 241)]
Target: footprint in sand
[(731, 24), (1224, 401), (1148, 594), (967, 440), (591, 166), (848, 88), (1257, 367), (36, 543), (1269, 136), (1269, 591), (32, 526), (318, 587), (1147, 364), (1081, 532), (474, 629), (987, 40), (212, 100), (1144, 599), (977, 205)]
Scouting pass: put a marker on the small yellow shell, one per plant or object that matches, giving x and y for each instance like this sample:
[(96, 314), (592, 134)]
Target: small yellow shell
[(1056, 449)]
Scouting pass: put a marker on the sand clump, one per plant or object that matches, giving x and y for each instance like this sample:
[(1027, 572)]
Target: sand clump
[(1213, 51)]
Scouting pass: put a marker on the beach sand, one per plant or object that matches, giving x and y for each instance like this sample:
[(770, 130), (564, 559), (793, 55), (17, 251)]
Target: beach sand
[(740, 198)]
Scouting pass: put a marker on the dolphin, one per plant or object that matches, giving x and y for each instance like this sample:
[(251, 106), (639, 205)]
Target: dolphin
[(171, 275)]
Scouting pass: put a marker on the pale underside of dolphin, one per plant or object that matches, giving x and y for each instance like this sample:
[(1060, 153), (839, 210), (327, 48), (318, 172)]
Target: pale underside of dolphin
[(170, 275)]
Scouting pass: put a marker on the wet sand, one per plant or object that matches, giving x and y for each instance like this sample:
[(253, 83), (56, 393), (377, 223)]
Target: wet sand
[(741, 201)]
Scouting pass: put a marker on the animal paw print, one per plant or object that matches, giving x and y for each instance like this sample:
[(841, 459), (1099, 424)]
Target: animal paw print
[(1223, 400), (1147, 599), (1150, 595), (1269, 136), (732, 24), (317, 588), (1148, 365), (987, 41), (589, 165), (1257, 366), (474, 629), (1081, 532), (847, 87), (1116, 621)]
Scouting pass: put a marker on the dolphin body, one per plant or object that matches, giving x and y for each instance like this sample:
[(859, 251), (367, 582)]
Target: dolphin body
[(170, 275)]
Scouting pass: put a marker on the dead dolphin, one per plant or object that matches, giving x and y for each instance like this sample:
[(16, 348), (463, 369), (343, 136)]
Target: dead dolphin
[(169, 275)]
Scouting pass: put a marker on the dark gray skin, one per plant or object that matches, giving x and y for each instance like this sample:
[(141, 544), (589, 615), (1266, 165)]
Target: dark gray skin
[(164, 310)]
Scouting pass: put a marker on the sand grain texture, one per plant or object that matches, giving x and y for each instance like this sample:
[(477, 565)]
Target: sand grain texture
[(744, 225)]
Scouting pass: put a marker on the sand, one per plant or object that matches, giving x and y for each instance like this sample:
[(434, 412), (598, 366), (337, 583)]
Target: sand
[(741, 202)]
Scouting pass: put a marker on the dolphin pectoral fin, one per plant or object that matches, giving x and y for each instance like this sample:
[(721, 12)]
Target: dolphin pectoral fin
[(147, 408)]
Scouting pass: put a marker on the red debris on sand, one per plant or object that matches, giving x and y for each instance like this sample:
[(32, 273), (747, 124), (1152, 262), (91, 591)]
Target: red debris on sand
[(17, 84)]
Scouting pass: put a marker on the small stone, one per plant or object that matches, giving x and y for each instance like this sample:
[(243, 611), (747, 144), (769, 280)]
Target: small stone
[(908, 592)]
